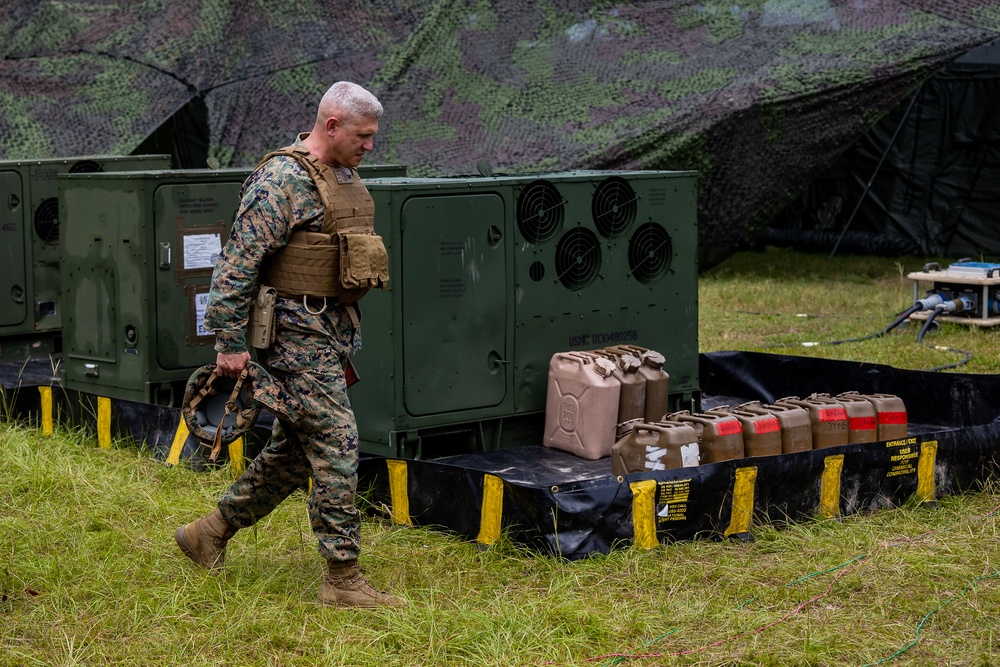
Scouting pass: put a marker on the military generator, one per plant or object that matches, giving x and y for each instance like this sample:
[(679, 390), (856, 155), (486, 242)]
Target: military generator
[(492, 276), (138, 253), (30, 306)]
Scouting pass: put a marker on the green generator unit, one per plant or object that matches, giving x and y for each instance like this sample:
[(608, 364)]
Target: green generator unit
[(138, 253), (492, 276), (31, 310)]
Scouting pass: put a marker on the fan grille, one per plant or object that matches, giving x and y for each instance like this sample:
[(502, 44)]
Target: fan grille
[(578, 258), (650, 251), (540, 211), (86, 167), (47, 220), (614, 207)]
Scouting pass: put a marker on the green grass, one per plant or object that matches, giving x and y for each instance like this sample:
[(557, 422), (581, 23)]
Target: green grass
[(775, 301), (90, 575)]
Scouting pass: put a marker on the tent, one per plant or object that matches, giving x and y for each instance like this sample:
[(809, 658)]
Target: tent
[(758, 95), (925, 180)]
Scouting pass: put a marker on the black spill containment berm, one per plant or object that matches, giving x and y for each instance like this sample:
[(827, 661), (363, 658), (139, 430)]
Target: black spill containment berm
[(558, 503)]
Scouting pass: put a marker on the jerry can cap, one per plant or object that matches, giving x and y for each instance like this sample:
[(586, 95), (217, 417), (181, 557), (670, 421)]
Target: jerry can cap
[(629, 363), (653, 359), (603, 367)]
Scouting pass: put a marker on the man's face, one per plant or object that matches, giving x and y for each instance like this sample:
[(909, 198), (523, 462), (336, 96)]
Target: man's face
[(351, 139)]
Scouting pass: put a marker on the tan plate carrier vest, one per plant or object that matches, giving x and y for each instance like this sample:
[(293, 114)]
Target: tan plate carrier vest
[(347, 258)]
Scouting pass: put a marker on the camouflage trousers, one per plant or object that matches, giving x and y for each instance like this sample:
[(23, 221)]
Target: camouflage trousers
[(323, 444)]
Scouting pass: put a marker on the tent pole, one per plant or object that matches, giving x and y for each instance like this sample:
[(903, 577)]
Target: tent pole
[(878, 168)]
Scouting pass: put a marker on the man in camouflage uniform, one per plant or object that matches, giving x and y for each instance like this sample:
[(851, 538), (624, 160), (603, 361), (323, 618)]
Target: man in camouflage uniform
[(307, 357)]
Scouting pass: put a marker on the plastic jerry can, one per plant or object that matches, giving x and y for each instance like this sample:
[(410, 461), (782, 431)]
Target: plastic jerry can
[(657, 379), (761, 432), (861, 424), (720, 437), (632, 402), (796, 427), (827, 416), (651, 447), (890, 414), (581, 405), (657, 385)]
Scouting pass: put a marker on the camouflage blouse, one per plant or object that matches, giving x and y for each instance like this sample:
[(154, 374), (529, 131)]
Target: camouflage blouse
[(278, 198)]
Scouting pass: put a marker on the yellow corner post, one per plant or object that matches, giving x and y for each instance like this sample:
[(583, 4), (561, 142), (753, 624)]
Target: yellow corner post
[(829, 490), (925, 471), (103, 422), (492, 510), (644, 513), (46, 407), (743, 493), (398, 492)]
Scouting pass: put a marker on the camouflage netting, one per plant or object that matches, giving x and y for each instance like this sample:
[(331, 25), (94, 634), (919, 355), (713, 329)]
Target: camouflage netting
[(758, 95)]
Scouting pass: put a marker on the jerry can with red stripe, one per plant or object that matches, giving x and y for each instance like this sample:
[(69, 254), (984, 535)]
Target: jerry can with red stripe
[(796, 427), (861, 424), (720, 437), (890, 414), (827, 416), (761, 432)]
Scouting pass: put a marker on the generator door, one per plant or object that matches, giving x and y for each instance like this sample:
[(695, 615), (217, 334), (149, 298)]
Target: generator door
[(192, 224), (13, 279), (454, 287)]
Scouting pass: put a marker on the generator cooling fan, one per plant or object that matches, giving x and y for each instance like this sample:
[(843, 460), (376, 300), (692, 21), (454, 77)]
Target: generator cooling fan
[(578, 258), (649, 252), (47, 220), (86, 167), (540, 211), (614, 207)]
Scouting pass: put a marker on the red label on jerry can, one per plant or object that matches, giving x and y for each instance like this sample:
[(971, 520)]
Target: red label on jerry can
[(729, 427), (832, 414), (766, 425), (892, 417), (862, 424)]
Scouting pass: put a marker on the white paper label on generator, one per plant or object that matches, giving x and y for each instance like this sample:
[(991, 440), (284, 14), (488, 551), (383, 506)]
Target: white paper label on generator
[(200, 304), (201, 251)]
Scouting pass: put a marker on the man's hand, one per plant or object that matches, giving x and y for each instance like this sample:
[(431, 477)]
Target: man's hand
[(231, 365)]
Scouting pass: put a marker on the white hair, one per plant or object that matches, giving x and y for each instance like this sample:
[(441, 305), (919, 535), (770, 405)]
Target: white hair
[(345, 97)]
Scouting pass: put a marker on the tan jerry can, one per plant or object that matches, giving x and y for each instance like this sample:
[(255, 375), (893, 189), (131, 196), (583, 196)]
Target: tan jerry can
[(581, 405), (890, 414), (632, 401), (657, 379), (761, 432), (796, 427), (649, 447), (828, 419), (861, 425), (720, 437)]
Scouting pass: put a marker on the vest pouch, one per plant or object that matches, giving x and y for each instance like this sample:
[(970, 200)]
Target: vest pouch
[(308, 265), (364, 264)]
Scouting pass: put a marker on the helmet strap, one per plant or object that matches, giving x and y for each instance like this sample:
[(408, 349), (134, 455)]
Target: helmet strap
[(231, 408)]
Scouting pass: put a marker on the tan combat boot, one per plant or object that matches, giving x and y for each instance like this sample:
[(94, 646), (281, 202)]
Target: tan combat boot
[(345, 586), (204, 541)]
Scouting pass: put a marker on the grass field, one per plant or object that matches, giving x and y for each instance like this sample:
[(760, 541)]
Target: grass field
[(90, 575)]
